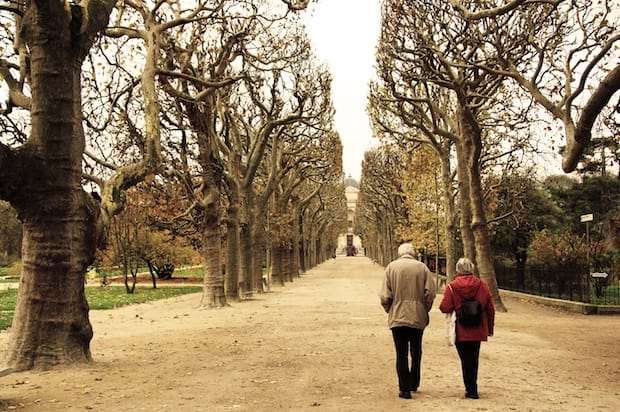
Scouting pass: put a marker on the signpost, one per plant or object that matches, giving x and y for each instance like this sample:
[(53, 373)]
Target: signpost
[(599, 282), (587, 219)]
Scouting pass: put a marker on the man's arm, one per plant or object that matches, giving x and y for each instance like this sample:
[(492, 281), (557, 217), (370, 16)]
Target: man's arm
[(385, 296), (430, 290)]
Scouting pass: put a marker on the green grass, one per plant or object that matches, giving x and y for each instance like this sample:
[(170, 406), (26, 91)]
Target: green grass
[(610, 296), (6, 320), (6, 271), (110, 297), (7, 301), (191, 272)]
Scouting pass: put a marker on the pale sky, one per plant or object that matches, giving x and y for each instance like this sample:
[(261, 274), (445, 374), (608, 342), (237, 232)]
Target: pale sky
[(344, 34)]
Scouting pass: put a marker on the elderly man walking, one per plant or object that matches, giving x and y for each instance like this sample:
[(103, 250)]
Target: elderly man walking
[(407, 296)]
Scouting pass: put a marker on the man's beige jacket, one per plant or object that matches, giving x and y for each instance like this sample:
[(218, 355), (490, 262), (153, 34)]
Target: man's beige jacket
[(408, 292)]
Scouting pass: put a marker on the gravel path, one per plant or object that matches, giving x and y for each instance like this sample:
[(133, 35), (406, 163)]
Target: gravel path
[(321, 344)]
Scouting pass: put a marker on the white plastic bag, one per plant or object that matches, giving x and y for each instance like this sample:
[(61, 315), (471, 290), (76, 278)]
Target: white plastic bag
[(451, 328)]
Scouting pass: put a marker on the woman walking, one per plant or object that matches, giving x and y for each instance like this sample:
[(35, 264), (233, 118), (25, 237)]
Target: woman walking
[(467, 286)]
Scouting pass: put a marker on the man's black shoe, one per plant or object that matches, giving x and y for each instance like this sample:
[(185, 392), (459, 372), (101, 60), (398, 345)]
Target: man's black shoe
[(404, 394)]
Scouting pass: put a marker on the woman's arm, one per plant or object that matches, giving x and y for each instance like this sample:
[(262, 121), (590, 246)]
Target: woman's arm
[(447, 303)]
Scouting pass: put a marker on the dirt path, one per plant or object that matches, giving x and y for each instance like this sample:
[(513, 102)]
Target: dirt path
[(321, 343)]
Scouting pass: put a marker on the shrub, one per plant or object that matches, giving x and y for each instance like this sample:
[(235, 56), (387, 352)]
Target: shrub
[(557, 249)]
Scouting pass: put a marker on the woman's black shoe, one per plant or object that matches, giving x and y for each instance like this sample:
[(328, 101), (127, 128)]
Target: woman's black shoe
[(404, 394), (472, 396)]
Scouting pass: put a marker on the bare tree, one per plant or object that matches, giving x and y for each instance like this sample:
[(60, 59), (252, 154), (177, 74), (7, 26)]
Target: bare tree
[(321, 168), (322, 220), (41, 176), (571, 69), (414, 117), (284, 88), (380, 207), (42, 179), (434, 48)]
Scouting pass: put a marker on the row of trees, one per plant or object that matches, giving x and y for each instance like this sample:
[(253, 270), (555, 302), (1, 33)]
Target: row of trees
[(215, 111), (473, 88), (531, 221)]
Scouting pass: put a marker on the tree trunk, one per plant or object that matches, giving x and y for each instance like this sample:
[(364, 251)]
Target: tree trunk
[(247, 283), (277, 256), (201, 117), (232, 246), (231, 280), (316, 244), (258, 228), (296, 241), (470, 133), (50, 324), (246, 256), (130, 271), (152, 271), (259, 251), (467, 235), (451, 217), (213, 295), (305, 229), (288, 264)]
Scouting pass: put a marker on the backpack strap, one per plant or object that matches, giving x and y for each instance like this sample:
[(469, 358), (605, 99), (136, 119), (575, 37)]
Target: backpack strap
[(452, 291)]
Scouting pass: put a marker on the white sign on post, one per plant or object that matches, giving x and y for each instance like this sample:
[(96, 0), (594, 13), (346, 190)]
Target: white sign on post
[(599, 274), (587, 218)]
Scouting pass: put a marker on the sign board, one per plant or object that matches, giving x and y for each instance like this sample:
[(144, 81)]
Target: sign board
[(587, 218), (599, 274)]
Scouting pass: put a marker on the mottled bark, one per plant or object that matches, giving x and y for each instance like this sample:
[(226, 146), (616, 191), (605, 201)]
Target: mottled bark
[(450, 215), (60, 221), (261, 240), (201, 117), (233, 243), (251, 285), (467, 235), (470, 134), (277, 274), (213, 295), (296, 242), (259, 258), (288, 264), (213, 291), (50, 324)]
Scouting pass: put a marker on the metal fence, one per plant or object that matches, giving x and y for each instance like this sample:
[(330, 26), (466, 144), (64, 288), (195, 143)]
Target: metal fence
[(574, 284)]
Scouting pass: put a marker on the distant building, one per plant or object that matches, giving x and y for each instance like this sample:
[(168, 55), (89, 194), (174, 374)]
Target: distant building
[(351, 191), (349, 243)]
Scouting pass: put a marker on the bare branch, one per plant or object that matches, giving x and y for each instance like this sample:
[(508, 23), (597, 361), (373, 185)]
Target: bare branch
[(583, 129), (496, 11)]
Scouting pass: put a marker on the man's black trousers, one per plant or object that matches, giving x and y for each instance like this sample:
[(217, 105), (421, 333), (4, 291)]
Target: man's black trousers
[(408, 341)]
